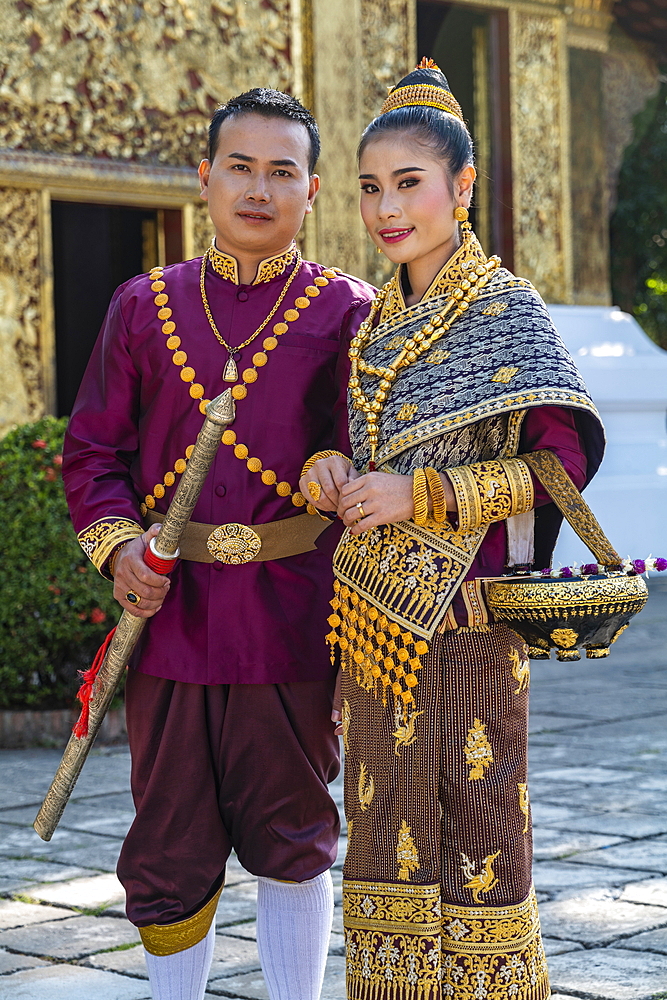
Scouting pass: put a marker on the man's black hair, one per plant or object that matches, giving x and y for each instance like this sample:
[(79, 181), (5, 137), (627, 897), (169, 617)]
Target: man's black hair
[(270, 104)]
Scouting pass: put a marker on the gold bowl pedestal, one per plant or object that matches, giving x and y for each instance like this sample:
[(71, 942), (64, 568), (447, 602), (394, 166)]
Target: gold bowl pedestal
[(567, 613)]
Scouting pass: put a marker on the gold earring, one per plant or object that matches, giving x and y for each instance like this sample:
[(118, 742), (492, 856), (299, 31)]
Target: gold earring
[(461, 214), (379, 249)]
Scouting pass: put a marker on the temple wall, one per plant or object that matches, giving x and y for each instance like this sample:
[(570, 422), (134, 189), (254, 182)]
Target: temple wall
[(99, 105)]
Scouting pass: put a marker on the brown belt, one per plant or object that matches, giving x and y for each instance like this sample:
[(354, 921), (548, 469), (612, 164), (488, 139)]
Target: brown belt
[(240, 543)]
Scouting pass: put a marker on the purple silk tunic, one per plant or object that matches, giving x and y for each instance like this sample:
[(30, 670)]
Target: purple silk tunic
[(262, 622)]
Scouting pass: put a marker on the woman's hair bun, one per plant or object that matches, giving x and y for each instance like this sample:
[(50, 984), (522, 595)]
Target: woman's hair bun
[(432, 76)]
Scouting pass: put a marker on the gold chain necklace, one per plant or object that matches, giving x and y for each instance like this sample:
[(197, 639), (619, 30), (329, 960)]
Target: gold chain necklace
[(197, 391), (230, 372), (421, 342)]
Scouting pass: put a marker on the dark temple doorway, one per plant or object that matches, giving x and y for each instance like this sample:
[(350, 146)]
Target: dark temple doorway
[(471, 46), (95, 249)]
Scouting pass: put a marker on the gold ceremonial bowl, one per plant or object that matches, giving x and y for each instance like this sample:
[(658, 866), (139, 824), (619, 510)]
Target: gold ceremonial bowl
[(568, 612)]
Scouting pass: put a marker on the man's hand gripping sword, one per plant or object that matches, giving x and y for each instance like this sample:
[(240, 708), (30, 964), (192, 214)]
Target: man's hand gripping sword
[(219, 413)]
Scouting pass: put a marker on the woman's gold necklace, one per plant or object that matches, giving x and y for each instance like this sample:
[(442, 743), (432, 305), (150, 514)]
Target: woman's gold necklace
[(230, 372), (421, 342)]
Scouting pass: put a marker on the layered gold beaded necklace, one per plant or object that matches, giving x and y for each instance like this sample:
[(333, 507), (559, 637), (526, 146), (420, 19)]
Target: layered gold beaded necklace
[(436, 327), (239, 391)]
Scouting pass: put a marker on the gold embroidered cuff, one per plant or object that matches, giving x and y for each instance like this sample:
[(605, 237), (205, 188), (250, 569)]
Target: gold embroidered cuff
[(99, 539), (168, 939), (322, 454), (491, 491)]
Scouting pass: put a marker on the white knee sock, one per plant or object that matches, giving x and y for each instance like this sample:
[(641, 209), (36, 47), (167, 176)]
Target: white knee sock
[(181, 976), (293, 931)]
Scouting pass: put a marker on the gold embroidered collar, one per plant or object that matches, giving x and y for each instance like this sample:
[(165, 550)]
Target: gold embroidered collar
[(271, 267), (446, 280)]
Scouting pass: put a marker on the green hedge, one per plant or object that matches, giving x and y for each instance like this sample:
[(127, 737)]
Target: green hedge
[(639, 224), (55, 608)]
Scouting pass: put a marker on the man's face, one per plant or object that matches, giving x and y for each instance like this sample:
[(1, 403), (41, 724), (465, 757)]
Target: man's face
[(258, 187)]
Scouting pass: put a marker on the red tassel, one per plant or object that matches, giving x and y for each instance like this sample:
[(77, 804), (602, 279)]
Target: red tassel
[(85, 692)]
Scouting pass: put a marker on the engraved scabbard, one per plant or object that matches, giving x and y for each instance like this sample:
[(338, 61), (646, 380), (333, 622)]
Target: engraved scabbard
[(219, 413)]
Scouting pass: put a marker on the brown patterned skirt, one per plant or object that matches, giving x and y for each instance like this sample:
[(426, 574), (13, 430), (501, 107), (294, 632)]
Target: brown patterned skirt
[(438, 898)]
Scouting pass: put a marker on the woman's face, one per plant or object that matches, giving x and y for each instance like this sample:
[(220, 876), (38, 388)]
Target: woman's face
[(408, 199)]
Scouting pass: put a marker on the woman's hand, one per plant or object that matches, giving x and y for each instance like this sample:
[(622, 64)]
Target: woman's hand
[(130, 572), (331, 474), (384, 498)]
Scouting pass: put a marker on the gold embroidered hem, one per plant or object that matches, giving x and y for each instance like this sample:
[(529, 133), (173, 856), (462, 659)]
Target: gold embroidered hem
[(491, 491), (392, 939), (272, 267), (169, 939), (99, 539), (494, 952)]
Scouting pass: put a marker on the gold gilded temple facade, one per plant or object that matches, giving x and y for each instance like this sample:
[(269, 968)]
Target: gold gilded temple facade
[(103, 113)]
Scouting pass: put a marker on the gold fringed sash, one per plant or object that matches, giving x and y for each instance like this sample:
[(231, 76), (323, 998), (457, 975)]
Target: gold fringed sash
[(393, 587)]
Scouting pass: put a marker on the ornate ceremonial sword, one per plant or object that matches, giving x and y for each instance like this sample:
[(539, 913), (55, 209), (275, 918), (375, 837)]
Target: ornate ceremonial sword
[(219, 413)]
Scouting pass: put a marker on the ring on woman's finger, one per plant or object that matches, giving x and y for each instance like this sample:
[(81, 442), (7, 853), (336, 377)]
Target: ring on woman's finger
[(315, 490), (361, 510), (132, 598)]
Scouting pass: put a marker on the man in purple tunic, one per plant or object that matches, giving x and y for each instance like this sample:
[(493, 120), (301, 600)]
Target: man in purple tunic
[(229, 695)]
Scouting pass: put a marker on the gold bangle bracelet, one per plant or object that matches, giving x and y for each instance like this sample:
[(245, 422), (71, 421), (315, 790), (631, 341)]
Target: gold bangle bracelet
[(111, 565), (420, 496), (321, 454), (437, 492)]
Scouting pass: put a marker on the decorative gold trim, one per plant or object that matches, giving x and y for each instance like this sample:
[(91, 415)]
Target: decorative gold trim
[(448, 278), (422, 94), (101, 537), (472, 592), (407, 855), (514, 424), (485, 880), (520, 670), (491, 491), (550, 472), (169, 939), (366, 788), (415, 909), (475, 930), (414, 436), (478, 752), (271, 267), (524, 803)]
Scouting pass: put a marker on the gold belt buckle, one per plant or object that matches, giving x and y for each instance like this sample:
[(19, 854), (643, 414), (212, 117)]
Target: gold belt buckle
[(233, 544)]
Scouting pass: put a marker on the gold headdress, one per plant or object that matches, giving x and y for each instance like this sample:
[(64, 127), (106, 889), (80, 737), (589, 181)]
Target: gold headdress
[(429, 94)]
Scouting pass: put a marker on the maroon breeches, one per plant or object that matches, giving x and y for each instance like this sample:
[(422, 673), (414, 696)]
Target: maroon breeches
[(222, 767)]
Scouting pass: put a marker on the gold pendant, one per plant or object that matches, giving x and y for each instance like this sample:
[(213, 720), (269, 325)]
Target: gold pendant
[(231, 372)]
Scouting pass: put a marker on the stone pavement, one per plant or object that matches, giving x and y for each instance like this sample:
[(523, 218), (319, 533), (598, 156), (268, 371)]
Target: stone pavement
[(598, 784)]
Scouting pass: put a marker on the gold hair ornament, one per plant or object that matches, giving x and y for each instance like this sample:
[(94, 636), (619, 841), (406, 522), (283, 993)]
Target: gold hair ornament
[(422, 94)]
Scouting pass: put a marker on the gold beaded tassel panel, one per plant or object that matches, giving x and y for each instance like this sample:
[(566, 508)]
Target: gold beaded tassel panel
[(379, 654)]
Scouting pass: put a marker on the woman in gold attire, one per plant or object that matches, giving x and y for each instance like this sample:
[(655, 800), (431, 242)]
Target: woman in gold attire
[(459, 382)]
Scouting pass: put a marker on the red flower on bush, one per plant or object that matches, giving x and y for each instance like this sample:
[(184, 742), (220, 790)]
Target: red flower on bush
[(50, 474), (57, 460), (39, 443), (97, 616)]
